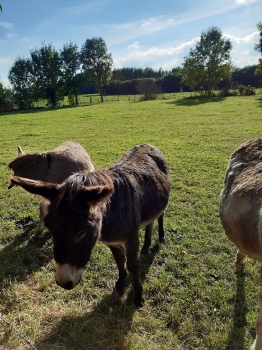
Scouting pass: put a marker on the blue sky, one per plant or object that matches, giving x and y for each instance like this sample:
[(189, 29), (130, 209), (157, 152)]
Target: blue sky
[(155, 33)]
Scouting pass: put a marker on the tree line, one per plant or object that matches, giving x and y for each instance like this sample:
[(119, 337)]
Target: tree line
[(206, 68), (50, 75), (171, 81)]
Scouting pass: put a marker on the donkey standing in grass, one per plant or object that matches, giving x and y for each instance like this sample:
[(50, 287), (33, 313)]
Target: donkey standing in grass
[(241, 208), (52, 166), (109, 205)]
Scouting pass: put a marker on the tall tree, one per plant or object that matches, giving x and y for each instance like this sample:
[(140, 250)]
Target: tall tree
[(258, 47), (20, 76), (70, 68), (193, 74), (212, 58), (96, 63), (46, 69), (6, 99)]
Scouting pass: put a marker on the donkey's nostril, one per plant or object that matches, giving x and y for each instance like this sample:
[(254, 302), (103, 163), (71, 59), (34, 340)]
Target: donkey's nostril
[(68, 285)]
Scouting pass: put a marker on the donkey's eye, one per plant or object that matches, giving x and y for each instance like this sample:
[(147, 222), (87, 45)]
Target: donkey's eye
[(80, 235)]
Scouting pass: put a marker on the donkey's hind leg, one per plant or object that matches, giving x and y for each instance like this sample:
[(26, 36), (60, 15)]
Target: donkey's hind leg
[(161, 229), (148, 238), (239, 261)]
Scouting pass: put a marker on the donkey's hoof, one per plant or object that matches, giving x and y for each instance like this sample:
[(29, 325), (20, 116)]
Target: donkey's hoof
[(34, 237), (239, 266), (139, 302), (119, 288), (144, 250)]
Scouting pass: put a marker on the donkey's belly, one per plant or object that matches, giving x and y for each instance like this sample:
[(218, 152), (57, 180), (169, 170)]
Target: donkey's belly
[(241, 219), (149, 221)]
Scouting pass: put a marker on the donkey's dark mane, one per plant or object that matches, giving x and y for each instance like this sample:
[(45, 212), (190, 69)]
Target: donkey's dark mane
[(72, 186)]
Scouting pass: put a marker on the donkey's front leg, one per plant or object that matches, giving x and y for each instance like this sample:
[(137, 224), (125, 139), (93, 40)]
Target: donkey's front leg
[(43, 211), (239, 261), (257, 345), (132, 263), (119, 256)]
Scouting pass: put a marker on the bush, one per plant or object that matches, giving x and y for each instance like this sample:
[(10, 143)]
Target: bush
[(225, 92), (246, 90), (250, 90), (241, 90), (149, 89)]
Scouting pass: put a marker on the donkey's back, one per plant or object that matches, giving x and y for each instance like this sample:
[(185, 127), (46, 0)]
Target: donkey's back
[(52, 166), (142, 189)]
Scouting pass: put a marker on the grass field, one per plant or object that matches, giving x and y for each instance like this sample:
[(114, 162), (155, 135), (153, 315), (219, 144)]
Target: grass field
[(194, 298)]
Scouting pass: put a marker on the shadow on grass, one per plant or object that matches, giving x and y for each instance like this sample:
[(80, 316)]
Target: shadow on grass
[(40, 110), (194, 101), (21, 257), (237, 334), (105, 326)]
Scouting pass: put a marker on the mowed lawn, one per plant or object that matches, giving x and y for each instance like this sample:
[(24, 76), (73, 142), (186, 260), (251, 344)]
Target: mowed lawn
[(194, 298)]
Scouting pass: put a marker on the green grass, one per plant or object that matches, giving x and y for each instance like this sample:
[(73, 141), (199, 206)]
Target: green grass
[(194, 298)]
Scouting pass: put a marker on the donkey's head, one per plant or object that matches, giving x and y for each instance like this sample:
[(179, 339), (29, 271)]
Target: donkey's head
[(74, 219)]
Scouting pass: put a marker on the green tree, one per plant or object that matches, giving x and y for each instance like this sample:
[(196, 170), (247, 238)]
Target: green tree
[(6, 99), (210, 59), (70, 68), (193, 74), (96, 63), (258, 47), (47, 73), (20, 76)]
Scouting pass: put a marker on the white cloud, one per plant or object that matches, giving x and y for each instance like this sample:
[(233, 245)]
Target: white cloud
[(5, 82), (244, 2), (127, 31), (244, 58), (251, 38), (6, 25), (4, 61), (156, 24), (133, 47), (135, 54)]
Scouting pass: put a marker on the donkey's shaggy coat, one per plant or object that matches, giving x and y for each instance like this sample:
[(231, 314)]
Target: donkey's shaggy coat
[(109, 205), (241, 207), (52, 166)]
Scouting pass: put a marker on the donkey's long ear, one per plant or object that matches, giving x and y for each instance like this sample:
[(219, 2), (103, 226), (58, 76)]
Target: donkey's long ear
[(96, 194), (19, 151), (47, 190)]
